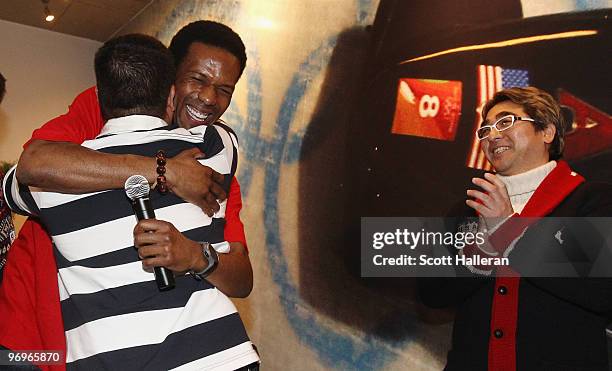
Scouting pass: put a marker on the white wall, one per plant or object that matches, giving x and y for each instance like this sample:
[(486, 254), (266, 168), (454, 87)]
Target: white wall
[(45, 70)]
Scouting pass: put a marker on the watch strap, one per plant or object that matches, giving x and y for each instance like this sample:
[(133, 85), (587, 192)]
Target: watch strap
[(210, 254)]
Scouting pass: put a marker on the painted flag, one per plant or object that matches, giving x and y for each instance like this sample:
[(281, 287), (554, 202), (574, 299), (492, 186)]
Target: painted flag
[(491, 79), (427, 108)]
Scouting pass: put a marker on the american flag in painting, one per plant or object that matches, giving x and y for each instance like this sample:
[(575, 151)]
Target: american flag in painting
[(491, 79)]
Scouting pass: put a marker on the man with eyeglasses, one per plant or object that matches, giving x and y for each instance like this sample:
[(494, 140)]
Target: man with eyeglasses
[(507, 319)]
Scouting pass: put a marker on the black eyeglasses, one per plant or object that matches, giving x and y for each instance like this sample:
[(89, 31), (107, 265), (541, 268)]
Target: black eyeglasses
[(501, 124)]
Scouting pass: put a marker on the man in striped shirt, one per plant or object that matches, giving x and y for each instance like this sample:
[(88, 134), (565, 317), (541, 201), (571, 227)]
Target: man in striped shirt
[(114, 315)]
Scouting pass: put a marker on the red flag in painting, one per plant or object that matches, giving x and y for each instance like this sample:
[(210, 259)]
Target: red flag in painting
[(427, 108)]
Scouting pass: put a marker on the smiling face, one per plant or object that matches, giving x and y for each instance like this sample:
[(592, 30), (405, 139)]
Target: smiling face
[(520, 148), (205, 82)]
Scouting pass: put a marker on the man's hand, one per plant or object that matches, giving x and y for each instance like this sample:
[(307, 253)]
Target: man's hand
[(194, 182), (494, 202), (160, 244)]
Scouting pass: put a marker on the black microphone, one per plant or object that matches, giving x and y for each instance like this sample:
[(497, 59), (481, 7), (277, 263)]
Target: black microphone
[(137, 189)]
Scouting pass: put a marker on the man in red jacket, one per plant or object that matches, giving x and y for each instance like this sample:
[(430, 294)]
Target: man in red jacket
[(210, 58)]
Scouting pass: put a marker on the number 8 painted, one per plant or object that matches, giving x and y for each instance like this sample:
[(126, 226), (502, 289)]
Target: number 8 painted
[(429, 106)]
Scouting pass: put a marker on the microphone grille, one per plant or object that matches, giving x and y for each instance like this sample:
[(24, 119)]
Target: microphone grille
[(136, 186)]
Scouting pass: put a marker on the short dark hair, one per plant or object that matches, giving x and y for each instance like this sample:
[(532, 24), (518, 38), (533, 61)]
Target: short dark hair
[(2, 87), (209, 33), (541, 107), (134, 74)]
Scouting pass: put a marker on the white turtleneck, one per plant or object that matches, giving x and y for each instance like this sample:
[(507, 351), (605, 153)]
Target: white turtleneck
[(522, 186)]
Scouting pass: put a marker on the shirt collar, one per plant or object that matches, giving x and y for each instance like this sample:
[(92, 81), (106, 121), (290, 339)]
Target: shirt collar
[(528, 181), (127, 124)]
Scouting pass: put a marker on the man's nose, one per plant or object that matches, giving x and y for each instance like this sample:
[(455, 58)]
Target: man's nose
[(494, 134), (208, 95)]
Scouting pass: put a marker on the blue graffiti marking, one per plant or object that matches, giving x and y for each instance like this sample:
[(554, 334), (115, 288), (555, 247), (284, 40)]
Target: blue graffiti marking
[(335, 349), (252, 145), (364, 10), (590, 4)]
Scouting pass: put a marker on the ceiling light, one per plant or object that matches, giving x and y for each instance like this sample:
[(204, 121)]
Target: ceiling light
[(49, 17)]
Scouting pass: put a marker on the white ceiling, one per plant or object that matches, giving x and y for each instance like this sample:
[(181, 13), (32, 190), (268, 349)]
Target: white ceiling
[(91, 19)]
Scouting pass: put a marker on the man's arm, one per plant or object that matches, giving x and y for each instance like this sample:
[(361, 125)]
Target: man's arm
[(71, 168), (160, 244), (234, 275)]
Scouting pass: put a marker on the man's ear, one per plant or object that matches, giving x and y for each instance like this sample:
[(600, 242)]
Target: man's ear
[(549, 133), (170, 105)]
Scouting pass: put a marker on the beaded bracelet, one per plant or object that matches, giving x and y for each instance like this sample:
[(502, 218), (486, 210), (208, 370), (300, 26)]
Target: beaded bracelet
[(162, 187)]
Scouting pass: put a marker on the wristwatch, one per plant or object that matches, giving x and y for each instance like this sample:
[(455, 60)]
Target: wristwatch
[(210, 255)]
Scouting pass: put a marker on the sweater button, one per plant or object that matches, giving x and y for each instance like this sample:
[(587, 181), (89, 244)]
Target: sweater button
[(498, 333), (502, 290)]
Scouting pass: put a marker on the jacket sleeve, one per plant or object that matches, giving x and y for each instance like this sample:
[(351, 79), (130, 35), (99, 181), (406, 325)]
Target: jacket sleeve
[(460, 283), (444, 292)]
